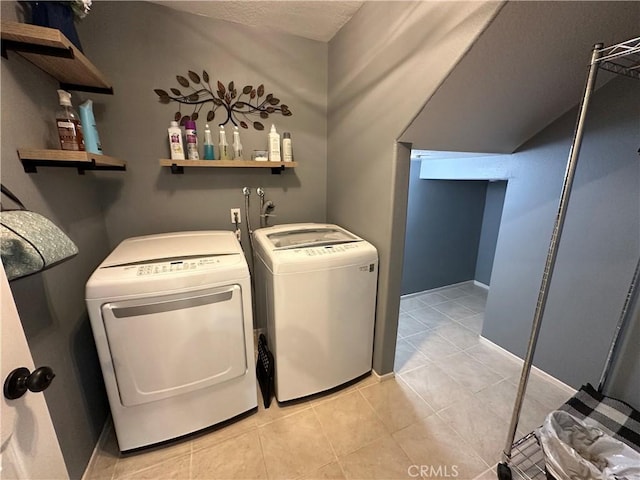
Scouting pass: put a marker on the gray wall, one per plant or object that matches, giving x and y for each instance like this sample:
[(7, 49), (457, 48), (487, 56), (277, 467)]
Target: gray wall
[(51, 304), (444, 222), (383, 64), (599, 248), (142, 46), (490, 227)]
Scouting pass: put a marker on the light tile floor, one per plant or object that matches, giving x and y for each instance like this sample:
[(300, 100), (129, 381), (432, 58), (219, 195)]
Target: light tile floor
[(445, 414)]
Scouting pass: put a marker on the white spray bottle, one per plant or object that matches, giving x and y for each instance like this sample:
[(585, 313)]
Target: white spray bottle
[(237, 146), (223, 145)]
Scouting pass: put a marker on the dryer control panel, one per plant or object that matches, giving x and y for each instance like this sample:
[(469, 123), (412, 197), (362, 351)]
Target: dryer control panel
[(184, 265)]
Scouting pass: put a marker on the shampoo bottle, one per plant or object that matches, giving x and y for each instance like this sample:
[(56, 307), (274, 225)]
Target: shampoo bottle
[(274, 145), (175, 142), (287, 150), (237, 146), (208, 144), (68, 124), (88, 121), (223, 146), (191, 136)]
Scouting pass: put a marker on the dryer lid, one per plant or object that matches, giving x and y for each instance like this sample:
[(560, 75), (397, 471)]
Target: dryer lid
[(310, 237), (176, 245)]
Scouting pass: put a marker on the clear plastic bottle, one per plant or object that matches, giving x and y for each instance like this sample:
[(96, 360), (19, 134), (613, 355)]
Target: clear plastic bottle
[(223, 146), (68, 124), (237, 146), (208, 144)]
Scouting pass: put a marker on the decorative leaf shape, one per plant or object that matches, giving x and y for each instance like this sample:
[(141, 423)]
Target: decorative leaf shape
[(221, 88), (205, 76), (287, 114), (258, 126), (271, 109), (184, 119), (194, 116), (231, 89), (182, 81), (193, 97), (260, 91), (221, 94), (177, 116), (164, 98), (161, 93), (210, 115), (247, 89), (216, 101), (240, 104), (195, 78), (264, 115), (244, 125), (253, 94), (234, 93), (177, 92), (274, 101), (269, 97), (227, 98)]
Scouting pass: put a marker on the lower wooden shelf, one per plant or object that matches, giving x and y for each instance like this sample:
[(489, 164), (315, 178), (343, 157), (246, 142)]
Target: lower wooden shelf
[(32, 158), (177, 166)]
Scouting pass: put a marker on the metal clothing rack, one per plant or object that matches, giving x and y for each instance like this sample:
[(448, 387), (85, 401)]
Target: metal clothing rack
[(525, 456)]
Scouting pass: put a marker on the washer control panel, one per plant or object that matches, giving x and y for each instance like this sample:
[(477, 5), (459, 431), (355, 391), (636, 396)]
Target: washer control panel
[(326, 250)]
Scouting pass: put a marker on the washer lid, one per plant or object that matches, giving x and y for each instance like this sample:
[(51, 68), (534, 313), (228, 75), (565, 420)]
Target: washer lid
[(168, 246), (313, 236)]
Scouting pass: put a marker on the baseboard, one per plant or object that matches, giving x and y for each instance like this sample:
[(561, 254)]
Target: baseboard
[(106, 429), (538, 371), (434, 290), (384, 377), (481, 285)]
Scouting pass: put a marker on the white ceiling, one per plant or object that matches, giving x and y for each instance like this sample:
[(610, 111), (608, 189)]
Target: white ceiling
[(316, 19)]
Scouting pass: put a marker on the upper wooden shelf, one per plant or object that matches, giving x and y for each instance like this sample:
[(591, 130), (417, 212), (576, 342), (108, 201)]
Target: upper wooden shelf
[(33, 157), (51, 51), (177, 166)]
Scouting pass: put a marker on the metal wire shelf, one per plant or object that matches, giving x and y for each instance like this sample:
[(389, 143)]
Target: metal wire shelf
[(623, 58), (527, 458)]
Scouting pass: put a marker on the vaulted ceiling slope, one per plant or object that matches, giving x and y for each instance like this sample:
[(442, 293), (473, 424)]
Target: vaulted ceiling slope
[(523, 72)]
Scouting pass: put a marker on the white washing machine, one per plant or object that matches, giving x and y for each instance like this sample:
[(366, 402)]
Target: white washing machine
[(315, 291), (171, 317)]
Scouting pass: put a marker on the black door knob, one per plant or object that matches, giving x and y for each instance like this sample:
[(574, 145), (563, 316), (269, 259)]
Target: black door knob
[(20, 380)]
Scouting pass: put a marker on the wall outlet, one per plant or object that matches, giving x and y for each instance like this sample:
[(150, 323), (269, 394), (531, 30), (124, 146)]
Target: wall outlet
[(235, 216)]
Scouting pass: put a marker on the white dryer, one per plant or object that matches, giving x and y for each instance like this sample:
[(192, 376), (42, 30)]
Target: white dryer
[(315, 291), (171, 317)]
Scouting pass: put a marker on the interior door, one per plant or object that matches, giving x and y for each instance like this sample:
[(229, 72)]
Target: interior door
[(29, 448)]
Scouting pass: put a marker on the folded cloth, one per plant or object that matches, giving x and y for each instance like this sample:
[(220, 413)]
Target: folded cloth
[(613, 416)]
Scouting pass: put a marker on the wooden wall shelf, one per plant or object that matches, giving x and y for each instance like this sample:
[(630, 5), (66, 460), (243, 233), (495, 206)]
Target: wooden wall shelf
[(32, 158), (177, 166), (51, 51)]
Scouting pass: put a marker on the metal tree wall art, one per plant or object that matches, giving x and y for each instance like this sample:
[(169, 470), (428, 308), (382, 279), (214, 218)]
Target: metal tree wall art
[(250, 101)]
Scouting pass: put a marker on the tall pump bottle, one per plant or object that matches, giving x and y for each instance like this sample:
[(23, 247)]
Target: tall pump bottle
[(68, 124), (287, 149), (223, 146), (274, 145), (191, 136), (237, 146)]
